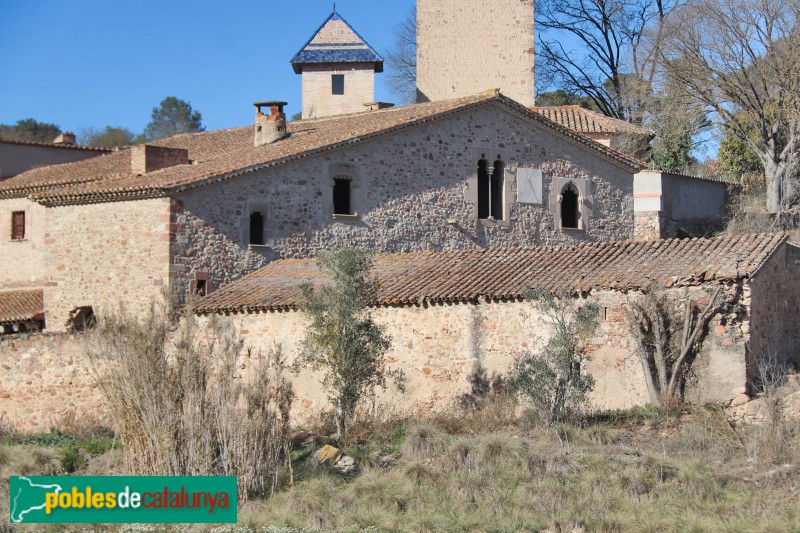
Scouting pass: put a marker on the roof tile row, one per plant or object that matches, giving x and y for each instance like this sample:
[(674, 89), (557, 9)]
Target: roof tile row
[(508, 273)]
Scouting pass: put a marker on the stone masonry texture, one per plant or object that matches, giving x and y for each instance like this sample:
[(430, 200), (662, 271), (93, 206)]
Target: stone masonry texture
[(104, 255), (468, 46), (46, 378), (405, 189)]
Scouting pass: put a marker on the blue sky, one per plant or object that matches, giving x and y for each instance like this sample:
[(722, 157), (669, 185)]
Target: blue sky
[(92, 63)]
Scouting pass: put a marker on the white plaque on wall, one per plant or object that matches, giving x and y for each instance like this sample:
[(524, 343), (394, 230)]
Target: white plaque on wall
[(529, 186)]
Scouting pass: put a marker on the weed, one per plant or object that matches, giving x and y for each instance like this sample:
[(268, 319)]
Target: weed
[(424, 441)]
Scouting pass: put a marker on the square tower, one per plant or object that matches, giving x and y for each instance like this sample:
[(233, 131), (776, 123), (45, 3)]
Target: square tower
[(338, 68), (465, 47)]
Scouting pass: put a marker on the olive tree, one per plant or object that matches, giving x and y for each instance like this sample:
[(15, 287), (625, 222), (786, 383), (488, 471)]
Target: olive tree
[(342, 339)]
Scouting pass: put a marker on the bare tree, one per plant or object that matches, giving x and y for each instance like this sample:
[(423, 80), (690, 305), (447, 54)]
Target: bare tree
[(664, 348), (402, 59), (605, 49), (740, 59)]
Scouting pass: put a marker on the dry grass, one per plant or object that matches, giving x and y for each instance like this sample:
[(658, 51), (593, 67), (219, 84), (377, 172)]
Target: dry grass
[(675, 473), (180, 403)]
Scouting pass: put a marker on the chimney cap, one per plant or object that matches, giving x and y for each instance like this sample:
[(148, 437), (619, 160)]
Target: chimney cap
[(270, 104)]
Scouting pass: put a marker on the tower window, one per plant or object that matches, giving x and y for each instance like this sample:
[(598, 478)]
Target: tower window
[(570, 214), (341, 196), (257, 228), (337, 84), (18, 226), (491, 190)]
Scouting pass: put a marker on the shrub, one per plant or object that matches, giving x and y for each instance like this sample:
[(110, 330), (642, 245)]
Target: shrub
[(554, 383), (181, 406)]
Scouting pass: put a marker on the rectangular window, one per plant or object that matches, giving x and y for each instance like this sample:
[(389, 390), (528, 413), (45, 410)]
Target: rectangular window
[(337, 84), (341, 196), (257, 229), (18, 226)]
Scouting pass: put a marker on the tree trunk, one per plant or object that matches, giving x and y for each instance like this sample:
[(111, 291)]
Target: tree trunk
[(774, 175), (340, 422)]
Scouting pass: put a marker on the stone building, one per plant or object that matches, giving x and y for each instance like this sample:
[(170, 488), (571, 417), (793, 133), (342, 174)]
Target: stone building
[(474, 173), (446, 315), (200, 210)]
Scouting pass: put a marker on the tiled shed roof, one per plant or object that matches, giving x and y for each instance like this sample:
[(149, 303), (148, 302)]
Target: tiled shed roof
[(21, 305), (223, 154), (507, 273), (585, 121), (336, 42)]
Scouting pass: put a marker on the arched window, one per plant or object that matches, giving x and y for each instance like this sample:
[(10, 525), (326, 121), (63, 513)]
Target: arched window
[(570, 213), (498, 178), (484, 208), (257, 229), (341, 195), (491, 185)]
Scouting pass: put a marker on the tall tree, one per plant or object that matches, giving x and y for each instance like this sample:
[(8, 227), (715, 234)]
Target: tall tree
[(402, 59), (172, 117), (741, 60), (29, 130), (108, 137), (604, 49)]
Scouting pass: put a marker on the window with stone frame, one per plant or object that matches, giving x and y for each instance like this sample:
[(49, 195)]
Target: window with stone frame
[(257, 228), (342, 200), (571, 203), (18, 226), (491, 189), (570, 210)]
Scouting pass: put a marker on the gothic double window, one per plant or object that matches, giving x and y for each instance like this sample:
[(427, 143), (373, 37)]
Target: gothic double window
[(491, 189)]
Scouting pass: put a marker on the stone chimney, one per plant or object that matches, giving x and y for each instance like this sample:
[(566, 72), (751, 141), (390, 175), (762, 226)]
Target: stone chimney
[(65, 139), (271, 127), (147, 158)]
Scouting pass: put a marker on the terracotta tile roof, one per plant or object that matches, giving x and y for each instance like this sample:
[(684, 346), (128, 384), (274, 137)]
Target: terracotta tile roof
[(336, 42), (507, 273), (20, 305), (57, 146), (585, 121), (220, 155)]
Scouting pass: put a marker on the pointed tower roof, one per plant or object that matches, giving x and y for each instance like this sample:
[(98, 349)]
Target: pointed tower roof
[(336, 42)]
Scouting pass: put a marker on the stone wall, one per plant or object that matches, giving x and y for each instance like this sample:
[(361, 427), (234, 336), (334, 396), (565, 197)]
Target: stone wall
[(465, 47), (776, 309), (22, 262), (103, 255), (45, 382), (411, 192), (318, 99), (438, 346)]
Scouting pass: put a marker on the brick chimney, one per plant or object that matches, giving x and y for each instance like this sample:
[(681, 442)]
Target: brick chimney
[(272, 127), (148, 158), (65, 139)]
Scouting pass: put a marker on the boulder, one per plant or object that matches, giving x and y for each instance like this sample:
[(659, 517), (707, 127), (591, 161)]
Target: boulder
[(327, 455), (740, 400)]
